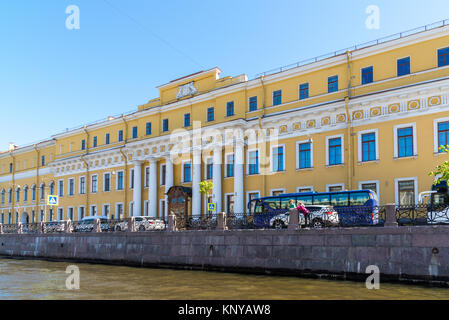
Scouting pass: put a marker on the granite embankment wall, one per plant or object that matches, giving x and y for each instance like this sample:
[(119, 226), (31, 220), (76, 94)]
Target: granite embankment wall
[(401, 253)]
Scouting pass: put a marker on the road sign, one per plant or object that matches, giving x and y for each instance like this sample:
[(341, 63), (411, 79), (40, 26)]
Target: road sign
[(211, 206), (52, 200)]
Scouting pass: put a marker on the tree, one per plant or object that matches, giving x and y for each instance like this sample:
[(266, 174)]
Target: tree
[(442, 171), (206, 187)]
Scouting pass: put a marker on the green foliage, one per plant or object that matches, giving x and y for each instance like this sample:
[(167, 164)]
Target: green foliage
[(442, 171), (206, 187)]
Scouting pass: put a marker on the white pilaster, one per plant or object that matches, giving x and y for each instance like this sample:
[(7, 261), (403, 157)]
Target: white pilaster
[(239, 197), (217, 194), (152, 190), (137, 192), (168, 180), (196, 195)]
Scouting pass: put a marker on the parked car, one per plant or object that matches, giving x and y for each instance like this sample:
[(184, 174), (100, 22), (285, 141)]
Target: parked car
[(53, 226), (87, 224), (320, 216), (142, 223)]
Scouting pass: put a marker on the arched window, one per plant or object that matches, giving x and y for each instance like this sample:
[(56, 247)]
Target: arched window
[(42, 191), (17, 194), (52, 188), (33, 192), (10, 195), (25, 194), (3, 196)]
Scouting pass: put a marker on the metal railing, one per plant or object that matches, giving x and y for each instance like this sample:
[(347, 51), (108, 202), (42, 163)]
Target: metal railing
[(393, 37)]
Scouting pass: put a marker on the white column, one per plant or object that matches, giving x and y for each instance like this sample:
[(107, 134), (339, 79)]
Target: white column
[(137, 192), (196, 195), (152, 190), (168, 180), (239, 196), (217, 194)]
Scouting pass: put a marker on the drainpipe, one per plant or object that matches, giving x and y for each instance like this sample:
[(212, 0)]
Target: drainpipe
[(87, 172), (261, 129), (37, 178), (126, 128), (350, 171), (126, 184)]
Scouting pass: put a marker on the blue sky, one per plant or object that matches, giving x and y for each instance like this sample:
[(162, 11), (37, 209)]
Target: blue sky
[(52, 78)]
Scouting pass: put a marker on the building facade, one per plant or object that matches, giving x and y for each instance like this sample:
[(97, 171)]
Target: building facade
[(371, 118)]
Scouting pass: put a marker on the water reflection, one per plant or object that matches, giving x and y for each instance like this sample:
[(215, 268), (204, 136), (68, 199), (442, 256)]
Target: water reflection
[(33, 279)]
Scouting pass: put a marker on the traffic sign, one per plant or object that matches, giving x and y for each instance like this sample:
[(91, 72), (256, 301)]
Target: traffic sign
[(211, 206), (52, 200)]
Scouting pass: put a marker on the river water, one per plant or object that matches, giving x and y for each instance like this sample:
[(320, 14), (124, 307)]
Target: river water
[(35, 279)]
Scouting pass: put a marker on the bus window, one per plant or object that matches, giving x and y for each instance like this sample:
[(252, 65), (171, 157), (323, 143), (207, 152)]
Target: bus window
[(439, 199), (359, 198), (307, 200), (285, 202), (273, 203), (340, 199), (321, 199), (258, 207)]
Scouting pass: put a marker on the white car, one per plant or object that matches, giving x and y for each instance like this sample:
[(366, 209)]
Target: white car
[(87, 224), (320, 216), (142, 223)]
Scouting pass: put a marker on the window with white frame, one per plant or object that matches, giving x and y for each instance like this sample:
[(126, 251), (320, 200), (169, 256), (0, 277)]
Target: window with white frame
[(304, 154), (93, 210), (335, 150), (70, 214), (304, 189), (106, 182), (131, 209), (278, 158), (368, 145), (370, 185), (277, 192), (163, 174), (251, 195), (81, 212), (145, 208), (60, 214), (120, 179), (131, 178), (335, 187), (94, 183), (71, 186), (147, 177), (253, 162), (209, 169), (186, 172), (405, 141), (440, 134), (106, 210), (119, 211), (162, 208), (229, 163), (82, 184), (406, 190)]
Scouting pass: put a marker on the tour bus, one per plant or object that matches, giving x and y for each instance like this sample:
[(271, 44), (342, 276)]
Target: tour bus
[(435, 203), (358, 207)]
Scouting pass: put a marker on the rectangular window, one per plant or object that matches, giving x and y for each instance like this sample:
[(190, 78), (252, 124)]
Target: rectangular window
[(107, 182), (209, 169), (165, 125), (230, 109), (369, 186), (367, 75), (403, 66), (210, 114), (305, 152), (229, 203), (163, 174), (303, 91), (106, 210), (93, 210), (443, 134), (83, 144), (147, 177), (254, 162), (61, 188), (334, 151), (94, 184), (277, 97), (187, 120), (70, 214), (60, 214), (120, 135), (406, 190), (134, 132), (443, 57), (369, 147), (335, 188), (10, 168), (95, 142), (71, 187), (405, 142), (148, 128), (82, 185), (332, 84), (252, 104), (278, 159), (120, 180), (230, 165), (107, 138), (187, 172), (131, 179), (43, 161)]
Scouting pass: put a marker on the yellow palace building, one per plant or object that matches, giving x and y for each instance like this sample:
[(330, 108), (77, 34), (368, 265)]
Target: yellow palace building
[(372, 117)]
